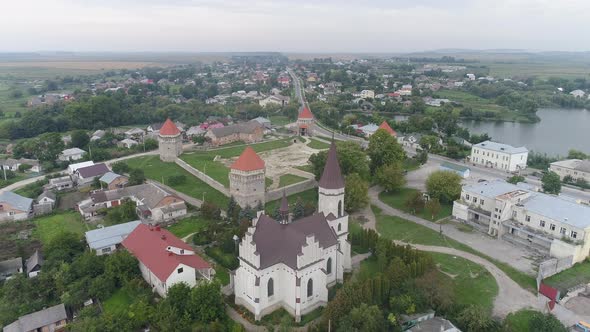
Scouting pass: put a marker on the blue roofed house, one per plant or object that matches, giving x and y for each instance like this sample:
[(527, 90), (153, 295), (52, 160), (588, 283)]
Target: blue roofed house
[(463, 171), (107, 239), (14, 207)]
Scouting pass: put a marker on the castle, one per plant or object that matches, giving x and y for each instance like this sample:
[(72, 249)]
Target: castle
[(305, 122), (247, 179), (170, 141), (291, 263)]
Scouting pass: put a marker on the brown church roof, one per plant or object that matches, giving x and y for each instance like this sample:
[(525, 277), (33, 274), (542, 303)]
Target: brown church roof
[(169, 128), (332, 175), (248, 161), (281, 243)]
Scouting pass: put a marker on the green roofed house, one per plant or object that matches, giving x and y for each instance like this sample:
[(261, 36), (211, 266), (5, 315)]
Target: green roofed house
[(463, 171)]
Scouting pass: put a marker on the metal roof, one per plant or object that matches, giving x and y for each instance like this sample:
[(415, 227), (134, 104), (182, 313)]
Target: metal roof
[(108, 236), (501, 147), (17, 201)]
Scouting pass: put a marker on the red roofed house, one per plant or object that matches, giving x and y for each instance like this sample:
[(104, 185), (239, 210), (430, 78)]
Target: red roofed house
[(247, 179), (305, 122), (164, 259), (170, 141), (385, 125)]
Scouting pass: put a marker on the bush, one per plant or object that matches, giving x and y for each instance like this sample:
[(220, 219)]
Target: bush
[(176, 180), (202, 238), (210, 211), (120, 167)]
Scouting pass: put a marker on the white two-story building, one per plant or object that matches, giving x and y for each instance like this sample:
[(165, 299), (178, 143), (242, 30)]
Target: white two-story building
[(499, 156), (558, 226)]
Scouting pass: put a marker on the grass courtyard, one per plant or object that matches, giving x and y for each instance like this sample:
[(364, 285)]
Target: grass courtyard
[(398, 199), (160, 171), (48, 227), (318, 145), (289, 179)]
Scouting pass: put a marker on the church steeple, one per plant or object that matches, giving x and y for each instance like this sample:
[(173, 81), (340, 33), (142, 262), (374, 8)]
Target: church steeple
[(332, 175)]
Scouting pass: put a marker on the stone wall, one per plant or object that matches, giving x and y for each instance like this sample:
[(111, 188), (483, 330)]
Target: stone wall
[(291, 189), (202, 176)]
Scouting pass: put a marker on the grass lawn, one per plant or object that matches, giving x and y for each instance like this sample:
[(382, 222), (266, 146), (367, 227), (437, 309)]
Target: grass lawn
[(160, 171), (289, 179), (473, 284), (50, 226), (578, 274), (310, 195), (353, 228), (395, 228), (204, 160), (318, 145), (398, 199), (519, 321), (188, 226), (222, 274), (279, 120), (306, 168), (369, 268), (119, 302)]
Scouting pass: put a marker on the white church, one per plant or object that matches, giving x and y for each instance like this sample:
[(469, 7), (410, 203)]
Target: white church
[(291, 263)]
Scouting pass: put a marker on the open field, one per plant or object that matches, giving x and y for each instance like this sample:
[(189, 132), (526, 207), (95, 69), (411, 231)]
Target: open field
[(398, 199), (519, 321), (396, 228), (50, 226), (480, 105), (160, 171), (542, 70)]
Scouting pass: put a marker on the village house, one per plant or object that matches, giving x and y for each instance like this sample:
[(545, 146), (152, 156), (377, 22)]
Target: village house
[(14, 164), (248, 132), (14, 207), (290, 264), (264, 122), (97, 135), (153, 204), (127, 143), (85, 175), (45, 203), (34, 264), (114, 180), (558, 226), (195, 131), (499, 156), (10, 268), (61, 183), (46, 320), (575, 168), (72, 168), (165, 260), (135, 133), (275, 100), (578, 93), (106, 240), (71, 154)]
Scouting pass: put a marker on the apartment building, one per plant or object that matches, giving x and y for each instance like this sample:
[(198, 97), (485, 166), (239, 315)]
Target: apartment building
[(499, 156)]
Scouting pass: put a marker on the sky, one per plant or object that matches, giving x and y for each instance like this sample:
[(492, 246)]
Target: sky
[(292, 25)]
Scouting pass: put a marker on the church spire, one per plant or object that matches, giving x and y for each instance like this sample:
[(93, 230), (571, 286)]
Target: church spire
[(332, 175)]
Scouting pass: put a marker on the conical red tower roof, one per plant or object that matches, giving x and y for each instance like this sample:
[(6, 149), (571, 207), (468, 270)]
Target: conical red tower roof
[(169, 128), (305, 113), (332, 175), (386, 126), (248, 161)]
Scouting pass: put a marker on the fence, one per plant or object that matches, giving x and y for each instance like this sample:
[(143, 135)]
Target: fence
[(553, 266)]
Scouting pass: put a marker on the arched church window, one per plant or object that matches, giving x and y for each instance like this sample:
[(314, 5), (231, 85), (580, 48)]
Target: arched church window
[(329, 266), (310, 287), (270, 287)]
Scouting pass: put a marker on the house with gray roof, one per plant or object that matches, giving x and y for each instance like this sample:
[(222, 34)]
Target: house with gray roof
[(10, 267), (14, 207), (499, 156), (86, 175), (71, 154), (574, 168), (50, 319), (106, 240), (558, 226), (247, 132), (114, 180), (34, 264)]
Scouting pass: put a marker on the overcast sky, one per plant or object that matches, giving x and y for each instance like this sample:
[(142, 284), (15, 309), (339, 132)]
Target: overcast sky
[(293, 25)]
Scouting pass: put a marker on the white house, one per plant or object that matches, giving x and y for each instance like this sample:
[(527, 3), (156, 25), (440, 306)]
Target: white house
[(127, 143), (556, 225), (578, 93), (576, 168), (164, 259), (72, 168), (71, 154), (106, 240), (499, 156), (369, 129), (367, 94), (289, 263), (462, 171)]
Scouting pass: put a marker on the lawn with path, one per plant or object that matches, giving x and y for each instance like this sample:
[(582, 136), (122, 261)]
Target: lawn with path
[(189, 226), (397, 200), (48, 227), (318, 145), (157, 170), (289, 179)]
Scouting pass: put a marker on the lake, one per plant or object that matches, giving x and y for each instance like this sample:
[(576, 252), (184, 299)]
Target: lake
[(558, 131)]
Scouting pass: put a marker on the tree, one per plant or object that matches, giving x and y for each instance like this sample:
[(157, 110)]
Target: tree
[(356, 193), (64, 247), (363, 318), (545, 323), (575, 154), (136, 176), (206, 302), (551, 183), (298, 209), (444, 186), (433, 207), (415, 203), (516, 179), (476, 319), (422, 157), (384, 150), (351, 157), (233, 209), (80, 139), (120, 167), (391, 177), (210, 211)]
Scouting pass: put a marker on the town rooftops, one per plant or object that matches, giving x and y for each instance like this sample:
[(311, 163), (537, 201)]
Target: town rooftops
[(332, 175), (108, 236), (10, 267), (150, 246), (248, 161), (454, 167), (16, 201), (93, 171), (245, 128), (281, 243), (169, 129), (34, 260), (148, 194), (109, 177), (492, 189), (305, 113), (500, 147), (39, 319), (385, 125), (74, 167), (575, 164)]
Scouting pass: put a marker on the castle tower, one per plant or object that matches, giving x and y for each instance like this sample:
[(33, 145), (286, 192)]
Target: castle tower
[(331, 186), (247, 179), (170, 142), (305, 122)]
